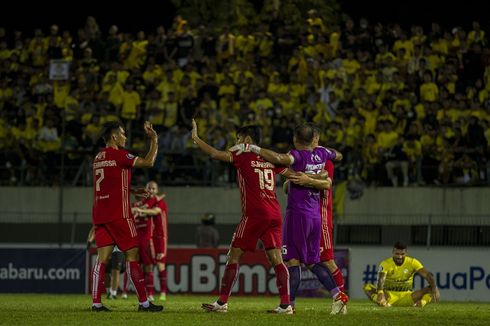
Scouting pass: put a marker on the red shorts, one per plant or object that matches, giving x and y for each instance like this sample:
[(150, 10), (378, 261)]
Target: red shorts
[(146, 251), (160, 244), (251, 229), (326, 244), (121, 232)]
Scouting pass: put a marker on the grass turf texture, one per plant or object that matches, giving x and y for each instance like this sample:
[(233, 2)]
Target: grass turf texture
[(39, 309)]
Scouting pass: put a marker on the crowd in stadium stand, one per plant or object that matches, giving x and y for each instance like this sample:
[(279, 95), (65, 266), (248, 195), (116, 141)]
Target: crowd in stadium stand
[(406, 106)]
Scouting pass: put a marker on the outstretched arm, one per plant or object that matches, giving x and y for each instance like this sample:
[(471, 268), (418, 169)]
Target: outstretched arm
[(149, 211), (317, 181), (149, 159), (208, 149), (266, 154)]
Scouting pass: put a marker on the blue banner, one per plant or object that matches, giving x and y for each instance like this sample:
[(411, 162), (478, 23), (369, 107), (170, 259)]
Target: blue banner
[(42, 270)]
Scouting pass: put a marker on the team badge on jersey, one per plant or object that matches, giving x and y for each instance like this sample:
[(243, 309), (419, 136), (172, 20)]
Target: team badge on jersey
[(130, 156)]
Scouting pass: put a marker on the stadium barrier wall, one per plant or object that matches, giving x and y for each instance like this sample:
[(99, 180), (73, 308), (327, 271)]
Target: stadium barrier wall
[(461, 274), (199, 271), (187, 204), (42, 270)]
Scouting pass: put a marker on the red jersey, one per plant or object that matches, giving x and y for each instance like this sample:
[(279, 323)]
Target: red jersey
[(160, 220), (257, 183), (326, 199), (112, 179), (144, 223)]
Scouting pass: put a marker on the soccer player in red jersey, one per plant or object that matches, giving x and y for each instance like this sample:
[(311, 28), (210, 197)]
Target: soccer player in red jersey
[(326, 242), (261, 216), (156, 207), (144, 229), (111, 213)]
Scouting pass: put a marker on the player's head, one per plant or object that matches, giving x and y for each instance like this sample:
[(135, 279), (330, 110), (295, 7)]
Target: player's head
[(152, 187), (316, 137), (249, 135), (113, 134), (399, 253), (303, 134), (208, 219)]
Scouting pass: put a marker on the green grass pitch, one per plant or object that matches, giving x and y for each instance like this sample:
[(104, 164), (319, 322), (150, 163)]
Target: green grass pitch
[(39, 309)]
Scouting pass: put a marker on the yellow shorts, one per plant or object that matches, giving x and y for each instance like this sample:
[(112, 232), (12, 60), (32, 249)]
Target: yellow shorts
[(399, 298)]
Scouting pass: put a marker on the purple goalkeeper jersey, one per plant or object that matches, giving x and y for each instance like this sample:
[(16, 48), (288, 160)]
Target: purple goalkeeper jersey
[(302, 222), (302, 199)]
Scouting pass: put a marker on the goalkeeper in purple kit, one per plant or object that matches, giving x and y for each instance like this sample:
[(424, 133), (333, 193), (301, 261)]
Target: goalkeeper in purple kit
[(302, 222)]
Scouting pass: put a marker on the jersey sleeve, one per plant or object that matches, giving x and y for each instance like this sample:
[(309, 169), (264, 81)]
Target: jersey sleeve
[(416, 265), (237, 160), (125, 159), (328, 154), (383, 267), (298, 164)]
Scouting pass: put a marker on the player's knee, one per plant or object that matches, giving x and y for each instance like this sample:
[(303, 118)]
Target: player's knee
[(132, 255), (293, 262), (331, 265)]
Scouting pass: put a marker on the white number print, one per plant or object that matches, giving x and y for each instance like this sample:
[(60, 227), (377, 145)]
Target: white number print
[(266, 178), (100, 174)]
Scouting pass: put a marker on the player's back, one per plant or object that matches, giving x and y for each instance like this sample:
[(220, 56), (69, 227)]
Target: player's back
[(112, 179), (257, 183), (301, 198)]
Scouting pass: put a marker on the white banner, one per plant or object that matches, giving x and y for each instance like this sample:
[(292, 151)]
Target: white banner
[(461, 274)]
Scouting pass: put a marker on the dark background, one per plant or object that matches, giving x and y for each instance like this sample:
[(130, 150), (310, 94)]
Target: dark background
[(147, 15)]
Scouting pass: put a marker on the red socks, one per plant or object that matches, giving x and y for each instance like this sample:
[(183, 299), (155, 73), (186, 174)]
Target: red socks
[(282, 282), (163, 280), (98, 278), (229, 277), (339, 279), (134, 272)]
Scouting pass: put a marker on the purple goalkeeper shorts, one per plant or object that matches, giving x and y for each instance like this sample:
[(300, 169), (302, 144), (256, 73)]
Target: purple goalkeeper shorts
[(301, 237)]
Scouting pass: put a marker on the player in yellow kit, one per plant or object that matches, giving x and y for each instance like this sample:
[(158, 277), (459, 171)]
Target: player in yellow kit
[(395, 281)]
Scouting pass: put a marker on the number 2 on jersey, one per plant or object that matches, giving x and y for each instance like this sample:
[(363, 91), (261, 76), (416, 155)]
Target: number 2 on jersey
[(266, 178), (99, 173)]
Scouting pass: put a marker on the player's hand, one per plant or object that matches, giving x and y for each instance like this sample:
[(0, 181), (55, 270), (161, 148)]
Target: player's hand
[(381, 300), (436, 295), (161, 196), (160, 255), (141, 192), (89, 245), (300, 179), (194, 130), (150, 132)]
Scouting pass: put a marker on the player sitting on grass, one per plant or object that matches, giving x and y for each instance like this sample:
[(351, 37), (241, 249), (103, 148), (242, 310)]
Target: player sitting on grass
[(395, 281)]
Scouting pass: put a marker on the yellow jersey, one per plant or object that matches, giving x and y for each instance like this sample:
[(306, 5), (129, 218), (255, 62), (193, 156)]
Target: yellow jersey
[(399, 278)]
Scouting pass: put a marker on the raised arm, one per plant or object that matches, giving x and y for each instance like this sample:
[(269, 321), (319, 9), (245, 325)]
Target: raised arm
[(208, 149), (149, 160), (266, 154)]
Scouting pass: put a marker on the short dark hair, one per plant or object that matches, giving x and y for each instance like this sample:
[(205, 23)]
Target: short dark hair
[(400, 245), (109, 129), (304, 133), (253, 131)]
